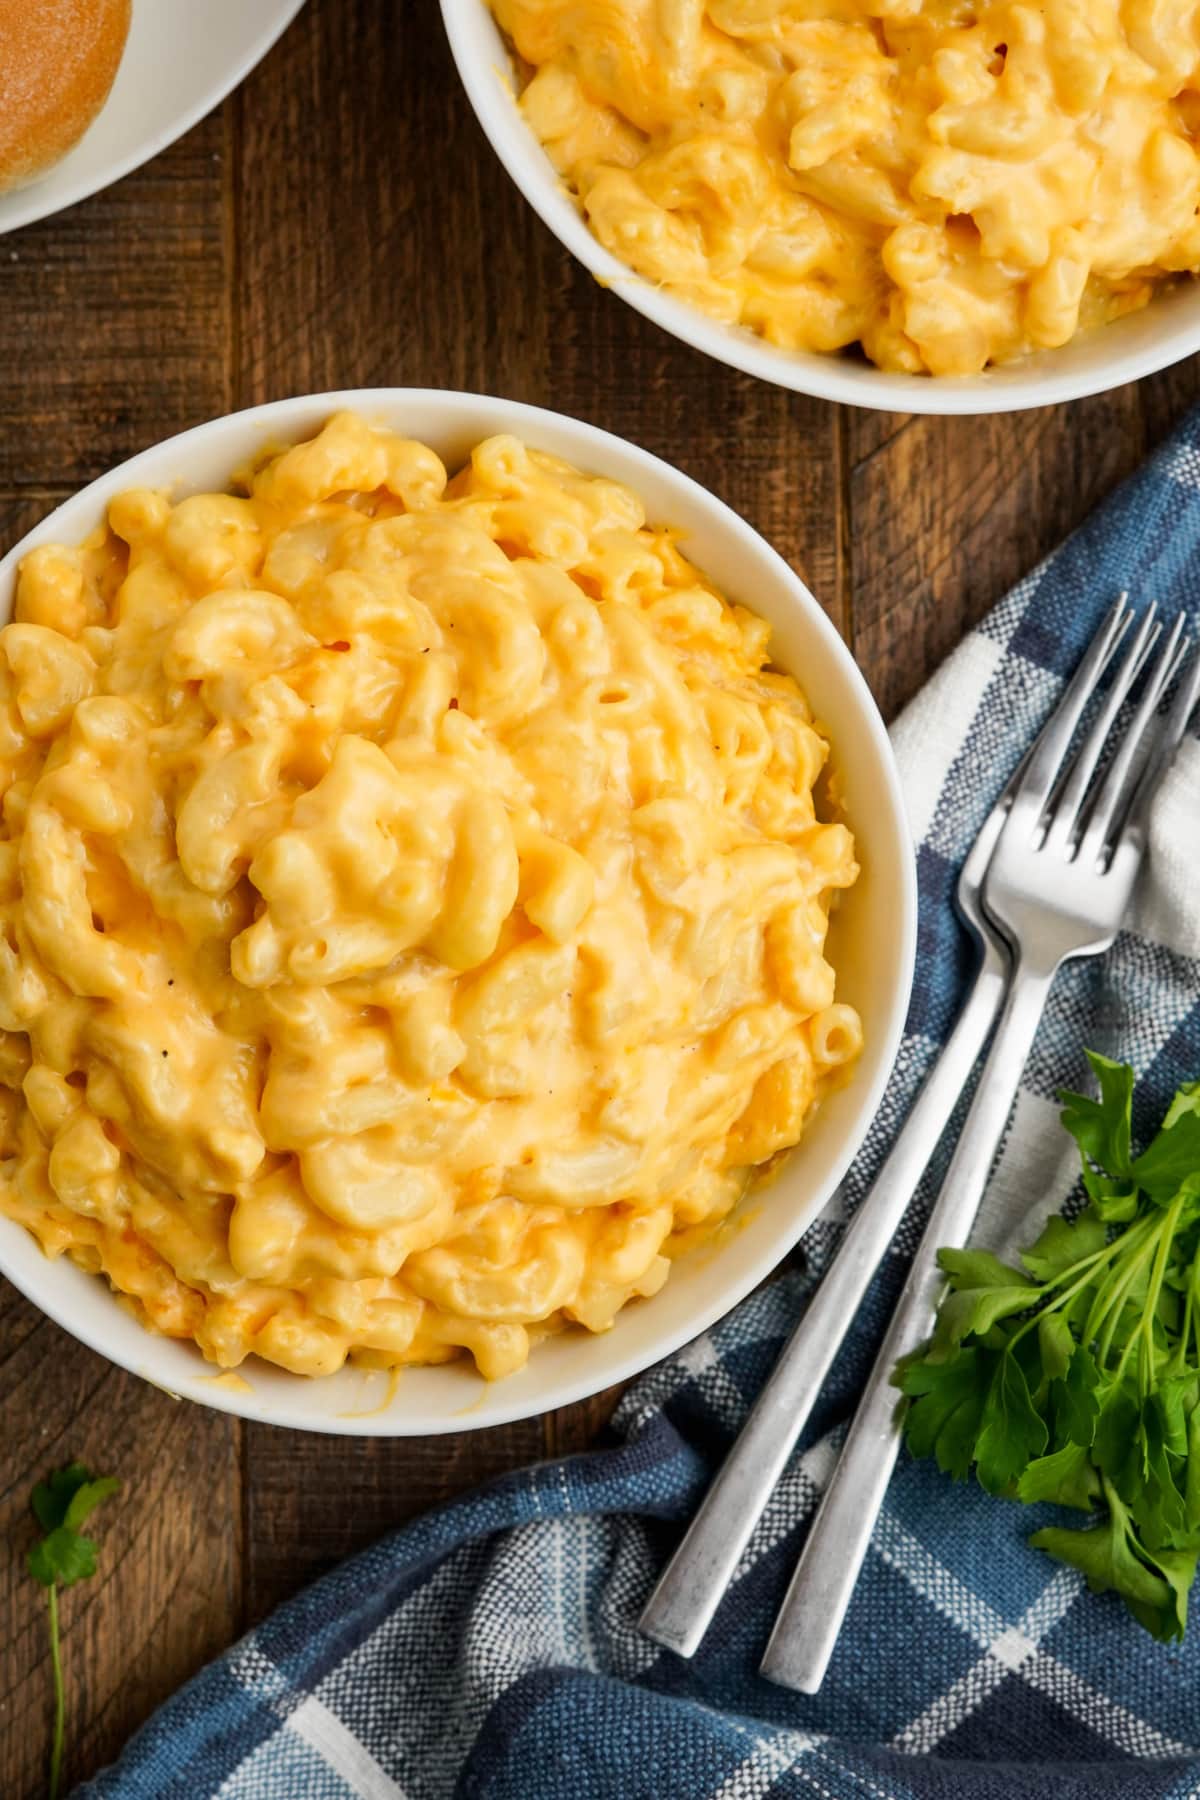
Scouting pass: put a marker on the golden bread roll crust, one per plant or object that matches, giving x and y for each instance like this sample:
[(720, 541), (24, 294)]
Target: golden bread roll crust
[(58, 59)]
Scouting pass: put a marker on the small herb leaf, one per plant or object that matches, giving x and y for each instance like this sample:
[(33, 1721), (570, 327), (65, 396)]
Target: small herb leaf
[(969, 1269), (62, 1556), (1077, 1398), (944, 1418), (1012, 1430), (52, 1497), (1065, 1477), (1064, 1245), (87, 1498), (1057, 1345), (1102, 1128), (973, 1312), (1078, 1382), (1155, 1588), (1172, 1161)]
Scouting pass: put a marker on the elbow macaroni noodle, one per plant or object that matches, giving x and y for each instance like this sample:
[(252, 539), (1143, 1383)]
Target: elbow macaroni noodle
[(946, 184), (412, 905)]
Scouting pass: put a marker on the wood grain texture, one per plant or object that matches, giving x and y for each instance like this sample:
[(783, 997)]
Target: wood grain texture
[(107, 345), (114, 320), (343, 222), (311, 1500), (945, 514), (167, 1595), (1164, 398)]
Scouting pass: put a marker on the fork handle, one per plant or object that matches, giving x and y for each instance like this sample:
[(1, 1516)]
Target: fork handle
[(811, 1616), (690, 1589)]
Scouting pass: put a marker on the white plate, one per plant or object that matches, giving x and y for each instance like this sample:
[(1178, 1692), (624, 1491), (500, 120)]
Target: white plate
[(1162, 333), (182, 58), (875, 938)]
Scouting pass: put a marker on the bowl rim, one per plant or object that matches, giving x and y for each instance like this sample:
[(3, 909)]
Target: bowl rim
[(283, 421), (1024, 385)]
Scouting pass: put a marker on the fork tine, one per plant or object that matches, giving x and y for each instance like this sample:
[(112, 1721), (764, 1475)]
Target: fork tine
[(1067, 804), (1134, 823), (1095, 835), (1042, 766)]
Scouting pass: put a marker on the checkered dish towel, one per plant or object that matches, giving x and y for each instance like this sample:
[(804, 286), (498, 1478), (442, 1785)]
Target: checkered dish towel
[(490, 1649)]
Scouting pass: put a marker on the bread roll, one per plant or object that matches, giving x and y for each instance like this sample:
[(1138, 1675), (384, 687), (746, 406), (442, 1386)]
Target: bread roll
[(57, 63)]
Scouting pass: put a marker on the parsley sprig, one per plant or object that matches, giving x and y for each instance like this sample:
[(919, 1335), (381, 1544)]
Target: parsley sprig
[(61, 1505), (1075, 1378)]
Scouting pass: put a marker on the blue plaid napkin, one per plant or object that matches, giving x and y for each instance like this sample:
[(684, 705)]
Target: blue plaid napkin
[(490, 1650)]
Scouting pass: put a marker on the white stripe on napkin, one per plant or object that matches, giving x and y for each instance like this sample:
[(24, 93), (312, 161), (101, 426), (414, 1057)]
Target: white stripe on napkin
[(1167, 912), (929, 734), (1038, 1167), (323, 1732)]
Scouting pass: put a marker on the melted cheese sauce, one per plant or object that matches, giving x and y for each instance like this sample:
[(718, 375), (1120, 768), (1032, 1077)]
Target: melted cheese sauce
[(412, 905), (945, 184)]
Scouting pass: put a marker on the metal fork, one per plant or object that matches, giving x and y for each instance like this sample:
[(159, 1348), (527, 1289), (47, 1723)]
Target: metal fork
[(1059, 885), (682, 1605)]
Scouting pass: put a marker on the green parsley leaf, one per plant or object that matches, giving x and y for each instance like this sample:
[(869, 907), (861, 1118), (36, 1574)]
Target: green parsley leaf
[(52, 1497), (61, 1557), (1075, 1380), (1156, 1503), (1065, 1243), (984, 1289), (1077, 1398), (87, 1498), (973, 1312), (1012, 1431), (1102, 1128), (1172, 1161), (1067, 1477), (1116, 1446), (970, 1269), (947, 1409), (1187, 1100), (1057, 1345), (1155, 1588), (1173, 1402)]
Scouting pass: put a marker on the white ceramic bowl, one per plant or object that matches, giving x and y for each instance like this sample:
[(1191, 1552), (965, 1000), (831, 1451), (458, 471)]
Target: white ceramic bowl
[(1163, 333), (181, 60), (874, 943)]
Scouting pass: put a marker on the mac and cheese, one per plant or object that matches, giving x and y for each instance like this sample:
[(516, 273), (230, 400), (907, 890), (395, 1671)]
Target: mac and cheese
[(946, 184), (412, 905)]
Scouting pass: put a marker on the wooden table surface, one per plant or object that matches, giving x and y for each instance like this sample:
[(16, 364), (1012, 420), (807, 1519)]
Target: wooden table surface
[(342, 221)]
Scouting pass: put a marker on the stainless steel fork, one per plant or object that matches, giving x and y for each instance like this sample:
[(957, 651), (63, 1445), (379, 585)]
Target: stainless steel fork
[(1059, 885), (690, 1588)]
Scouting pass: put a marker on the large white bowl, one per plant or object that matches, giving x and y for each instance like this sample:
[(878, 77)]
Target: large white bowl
[(181, 60), (875, 934), (1163, 333)]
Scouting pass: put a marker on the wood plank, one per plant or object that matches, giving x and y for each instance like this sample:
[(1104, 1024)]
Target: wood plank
[(946, 514), (312, 1500), (106, 347), (1164, 398), (574, 1428), (166, 1596)]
